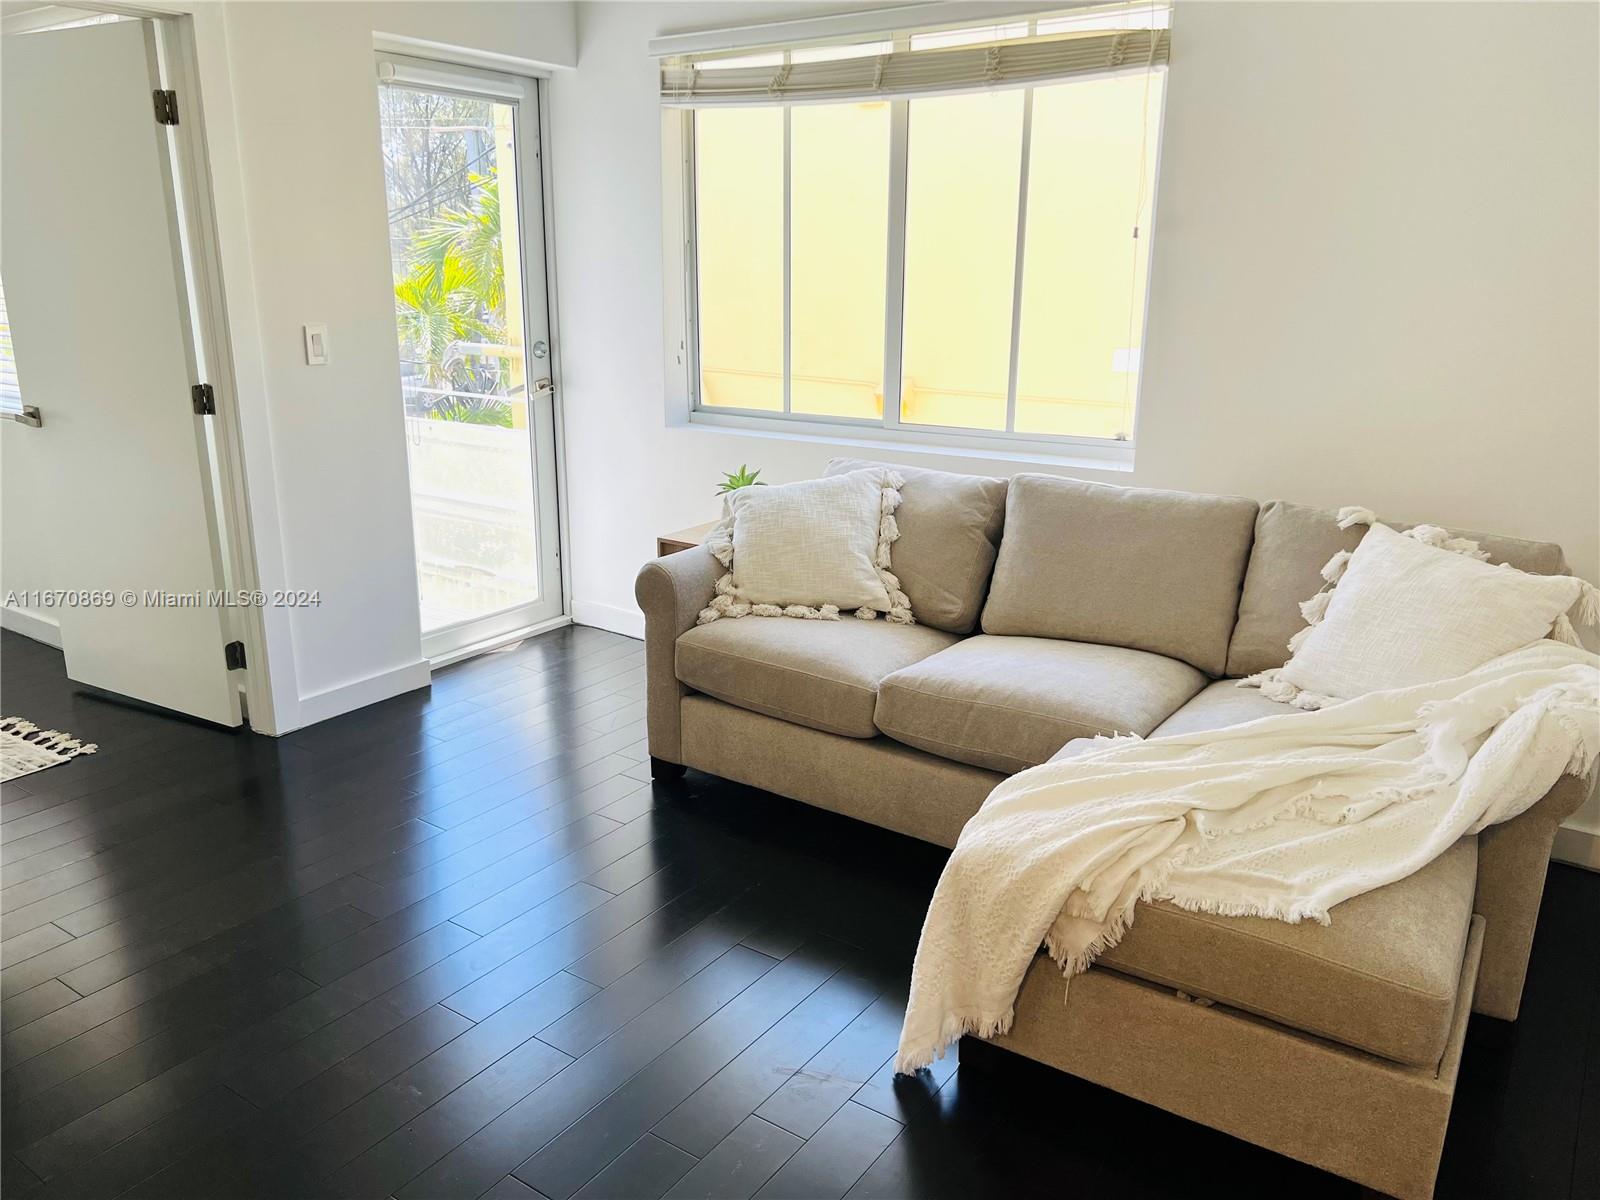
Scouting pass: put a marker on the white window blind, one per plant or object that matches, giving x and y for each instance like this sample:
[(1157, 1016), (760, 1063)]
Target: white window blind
[(1016, 54), (10, 389)]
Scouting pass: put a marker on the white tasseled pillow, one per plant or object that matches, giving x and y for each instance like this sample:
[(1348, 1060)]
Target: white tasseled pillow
[(810, 549), (1415, 608)]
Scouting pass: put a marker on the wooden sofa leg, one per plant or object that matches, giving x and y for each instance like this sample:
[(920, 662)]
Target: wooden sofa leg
[(665, 771)]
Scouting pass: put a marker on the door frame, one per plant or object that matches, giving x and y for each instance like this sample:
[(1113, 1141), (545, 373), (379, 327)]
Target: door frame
[(179, 63), (196, 235), (497, 81)]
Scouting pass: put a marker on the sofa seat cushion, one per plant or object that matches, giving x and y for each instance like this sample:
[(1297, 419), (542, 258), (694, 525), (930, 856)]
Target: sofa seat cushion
[(1381, 977), (1216, 706), (1008, 703), (823, 674), (1219, 705)]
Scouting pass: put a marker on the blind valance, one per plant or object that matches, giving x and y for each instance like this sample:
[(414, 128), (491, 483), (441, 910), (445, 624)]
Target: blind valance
[(909, 72)]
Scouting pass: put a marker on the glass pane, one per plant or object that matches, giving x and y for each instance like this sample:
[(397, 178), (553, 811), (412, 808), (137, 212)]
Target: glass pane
[(449, 164), (837, 53), (738, 159), (961, 243), (975, 36), (839, 234), (10, 387), (1091, 178)]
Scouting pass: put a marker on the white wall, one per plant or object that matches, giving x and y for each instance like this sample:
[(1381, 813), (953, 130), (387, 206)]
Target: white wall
[(1374, 276), (26, 540), (292, 116)]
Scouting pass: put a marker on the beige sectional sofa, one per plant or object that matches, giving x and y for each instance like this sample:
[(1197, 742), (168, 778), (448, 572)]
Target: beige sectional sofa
[(1051, 610)]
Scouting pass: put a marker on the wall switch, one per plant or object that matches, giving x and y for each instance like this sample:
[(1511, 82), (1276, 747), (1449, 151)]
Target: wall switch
[(316, 345)]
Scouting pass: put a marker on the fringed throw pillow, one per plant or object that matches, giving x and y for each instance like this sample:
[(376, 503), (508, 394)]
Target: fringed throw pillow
[(1411, 608), (810, 549)]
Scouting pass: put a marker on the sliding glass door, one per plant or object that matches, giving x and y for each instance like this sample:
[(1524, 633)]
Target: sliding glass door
[(466, 239)]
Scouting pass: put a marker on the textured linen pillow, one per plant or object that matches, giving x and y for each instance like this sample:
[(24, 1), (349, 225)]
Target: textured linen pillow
[(1292, 543), (809, 549), (1412, 608)]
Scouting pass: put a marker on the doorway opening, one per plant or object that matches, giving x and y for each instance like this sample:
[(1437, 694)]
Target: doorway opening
[(121, 497), (467, 246)]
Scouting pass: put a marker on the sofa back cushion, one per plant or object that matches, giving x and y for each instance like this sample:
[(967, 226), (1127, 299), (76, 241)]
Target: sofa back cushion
[(1293, 543), (949, 535), (1153, 570)]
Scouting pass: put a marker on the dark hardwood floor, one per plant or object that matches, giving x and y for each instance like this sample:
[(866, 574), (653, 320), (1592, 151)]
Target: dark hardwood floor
[(458, 945)]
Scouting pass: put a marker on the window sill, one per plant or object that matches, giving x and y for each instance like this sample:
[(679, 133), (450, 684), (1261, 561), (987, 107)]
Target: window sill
[(1085, 455)]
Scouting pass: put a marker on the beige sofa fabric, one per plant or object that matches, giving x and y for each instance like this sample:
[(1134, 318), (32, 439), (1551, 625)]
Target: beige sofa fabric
[(949, 535), (1512, 857), (1008, 703), (1512, 860), (1370, 1120), (1292, 544), (671, 591), (1153, 570), (1216, 706), (931, 798), (1219, 705), (819, 673), (1372, 956), (878, 781), (1381, 977)]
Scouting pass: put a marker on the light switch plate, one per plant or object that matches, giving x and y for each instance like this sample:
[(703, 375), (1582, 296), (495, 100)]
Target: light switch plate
[(316, 345)]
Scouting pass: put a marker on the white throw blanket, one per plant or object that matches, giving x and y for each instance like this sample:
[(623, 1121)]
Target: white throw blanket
[(1281, 817)]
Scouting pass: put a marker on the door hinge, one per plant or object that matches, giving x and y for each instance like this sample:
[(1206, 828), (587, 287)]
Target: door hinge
[(233, 655), (205, 400), (166, 106)]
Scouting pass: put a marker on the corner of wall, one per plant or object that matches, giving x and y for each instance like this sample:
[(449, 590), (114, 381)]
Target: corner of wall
[(613, 618)]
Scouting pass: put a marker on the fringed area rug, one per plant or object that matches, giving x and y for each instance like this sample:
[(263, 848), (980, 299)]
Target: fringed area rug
[(25, 748)]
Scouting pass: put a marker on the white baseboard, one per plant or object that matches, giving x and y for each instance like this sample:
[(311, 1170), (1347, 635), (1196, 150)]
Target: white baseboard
[(31, 625), (347, 697), (1579, 847), (627, 621)]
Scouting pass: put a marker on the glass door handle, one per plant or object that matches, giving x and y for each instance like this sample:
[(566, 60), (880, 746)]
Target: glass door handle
[(541, 349), (543, 386)]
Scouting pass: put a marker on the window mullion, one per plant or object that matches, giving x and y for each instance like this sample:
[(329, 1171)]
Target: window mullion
[(691, 262), (1022, 246), (895, 267), (788, 270)]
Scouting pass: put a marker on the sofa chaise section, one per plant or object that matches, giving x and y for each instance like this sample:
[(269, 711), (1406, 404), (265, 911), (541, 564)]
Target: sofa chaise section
[(1382, 977)]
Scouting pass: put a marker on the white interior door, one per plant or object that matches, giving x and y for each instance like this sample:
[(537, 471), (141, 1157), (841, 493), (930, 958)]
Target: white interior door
[(100, 324)]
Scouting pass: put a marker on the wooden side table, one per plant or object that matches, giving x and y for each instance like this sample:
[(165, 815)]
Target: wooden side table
[(683, 539)]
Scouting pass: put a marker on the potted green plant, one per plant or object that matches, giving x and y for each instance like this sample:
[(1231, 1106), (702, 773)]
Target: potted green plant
[(734, 480), (742, 478)]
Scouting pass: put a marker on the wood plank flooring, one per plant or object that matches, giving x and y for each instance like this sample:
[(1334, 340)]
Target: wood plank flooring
[(458, 945)]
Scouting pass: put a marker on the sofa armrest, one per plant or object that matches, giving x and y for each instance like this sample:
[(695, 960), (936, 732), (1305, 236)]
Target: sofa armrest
[(671, 591), (1512, 860)]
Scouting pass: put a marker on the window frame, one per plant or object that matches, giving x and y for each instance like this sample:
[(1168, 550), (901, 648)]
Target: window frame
[(684, 325)]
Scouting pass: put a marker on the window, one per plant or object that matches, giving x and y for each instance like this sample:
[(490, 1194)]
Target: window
[(949, 236), (10, 386)]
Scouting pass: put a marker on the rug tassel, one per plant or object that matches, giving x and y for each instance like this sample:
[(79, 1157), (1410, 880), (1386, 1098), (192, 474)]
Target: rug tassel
[(25, 748)]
